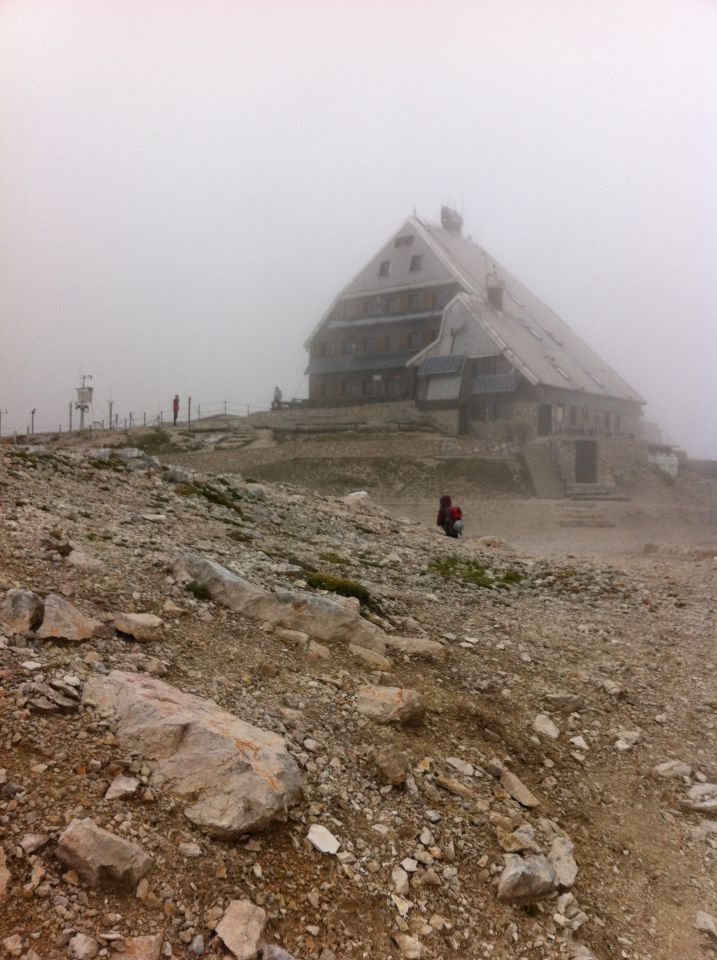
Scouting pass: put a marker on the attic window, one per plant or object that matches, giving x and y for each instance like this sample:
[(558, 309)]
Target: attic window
[(403, 241), (593, 377), (416, 263), (384, 268)]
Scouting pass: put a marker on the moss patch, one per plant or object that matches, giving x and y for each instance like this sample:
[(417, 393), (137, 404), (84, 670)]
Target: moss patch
[(340, 585), (199, 590), (470, 571)]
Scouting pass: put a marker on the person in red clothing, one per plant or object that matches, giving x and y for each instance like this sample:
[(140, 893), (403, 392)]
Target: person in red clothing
[(444, 515), (175, 408)]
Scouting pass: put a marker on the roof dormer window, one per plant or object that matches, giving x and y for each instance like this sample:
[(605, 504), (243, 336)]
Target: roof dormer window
[(416, 263), (384, 268), (403, 241)]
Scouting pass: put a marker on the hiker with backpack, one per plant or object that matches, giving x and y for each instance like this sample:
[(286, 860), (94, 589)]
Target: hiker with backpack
[(450, 518)]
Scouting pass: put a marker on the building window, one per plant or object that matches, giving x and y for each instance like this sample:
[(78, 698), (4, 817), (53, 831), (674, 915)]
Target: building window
[(606, 420), (573, 416), (415, 340), (403, 241), (393, 342), (415, 302), (348, 347), (618, 422), (384, 268), (416, 263)]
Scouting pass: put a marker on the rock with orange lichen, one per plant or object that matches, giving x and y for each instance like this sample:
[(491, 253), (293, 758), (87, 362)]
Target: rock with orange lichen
[(237, 777)]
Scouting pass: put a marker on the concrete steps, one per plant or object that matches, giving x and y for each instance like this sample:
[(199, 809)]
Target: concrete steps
[(570, 513)]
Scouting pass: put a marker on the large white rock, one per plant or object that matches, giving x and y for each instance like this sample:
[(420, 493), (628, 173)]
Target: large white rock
[(241, 928), (391, 705), (62, 621), (320, 617), (237, 777), (101, 858), (525, 880)]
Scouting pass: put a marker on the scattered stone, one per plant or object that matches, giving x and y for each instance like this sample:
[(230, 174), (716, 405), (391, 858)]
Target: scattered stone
[(525, 880), (5, 876), (399, 879), (322, 839), (101, 858), (189, 850), (142, 948), (392, 765), (568, 702), (545, 726), (22, 610), (83, 947), (371, 657), (672, 768), (517, 789), (627, 739), (706, 923), (410, 947), (32, 842), (240, 778), (391, 705), (142, 626), (62, 621), (419, 647), (121, 787), (561, 860), (13, 945), (241, 928), (315, 652)]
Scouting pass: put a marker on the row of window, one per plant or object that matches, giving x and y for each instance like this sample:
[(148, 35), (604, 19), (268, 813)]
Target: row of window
[(394, 387), (371, 344), (393, 304), (583, 417)]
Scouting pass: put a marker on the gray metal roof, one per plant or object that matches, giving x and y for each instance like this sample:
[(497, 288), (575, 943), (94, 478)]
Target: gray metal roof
[(495, 382), (526, 331), (440, 366)]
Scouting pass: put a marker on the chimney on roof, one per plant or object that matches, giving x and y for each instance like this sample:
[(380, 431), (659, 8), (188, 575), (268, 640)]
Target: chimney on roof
[(494, 289), (451, 220)]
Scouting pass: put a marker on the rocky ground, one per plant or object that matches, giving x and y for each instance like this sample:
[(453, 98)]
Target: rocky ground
[(464, 751)]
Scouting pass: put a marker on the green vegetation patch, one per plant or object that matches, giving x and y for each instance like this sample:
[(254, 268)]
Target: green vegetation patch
[(155, 441), (198, 590), (335, 558), (470, 571), (340, 585), (211, 494)]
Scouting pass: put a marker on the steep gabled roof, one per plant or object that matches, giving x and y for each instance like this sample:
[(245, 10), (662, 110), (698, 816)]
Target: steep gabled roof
[(527, 331)]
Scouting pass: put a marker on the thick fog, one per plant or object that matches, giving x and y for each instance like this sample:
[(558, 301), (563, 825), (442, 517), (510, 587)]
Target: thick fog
[(184, 186)]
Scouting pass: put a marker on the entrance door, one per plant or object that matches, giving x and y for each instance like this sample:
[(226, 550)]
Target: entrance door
[(545, 420), (586, 461)]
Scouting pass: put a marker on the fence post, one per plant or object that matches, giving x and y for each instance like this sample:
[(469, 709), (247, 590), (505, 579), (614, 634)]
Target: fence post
[(199, 411), (70, 420), (144, 419)]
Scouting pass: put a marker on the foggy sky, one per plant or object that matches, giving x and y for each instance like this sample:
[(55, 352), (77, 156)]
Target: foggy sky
[(185, 185)]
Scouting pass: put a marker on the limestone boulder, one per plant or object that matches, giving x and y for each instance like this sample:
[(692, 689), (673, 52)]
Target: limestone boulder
[(62, 621), (241, 928), (322, 618), (236, 778), (391, 705), (141, 626), (562, 861), (22, 610), (101, 858), (525, 879)]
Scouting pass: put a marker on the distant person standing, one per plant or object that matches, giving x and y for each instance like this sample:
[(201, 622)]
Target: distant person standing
[(175, 408), (278, 397)]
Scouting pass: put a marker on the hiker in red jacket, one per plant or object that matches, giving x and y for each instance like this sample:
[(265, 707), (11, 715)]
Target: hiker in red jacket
[(444, 515), (175, 408)]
